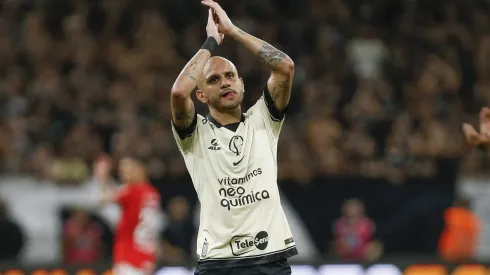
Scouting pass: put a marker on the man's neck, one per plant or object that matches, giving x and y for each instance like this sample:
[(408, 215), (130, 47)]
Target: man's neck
[(225, 118)]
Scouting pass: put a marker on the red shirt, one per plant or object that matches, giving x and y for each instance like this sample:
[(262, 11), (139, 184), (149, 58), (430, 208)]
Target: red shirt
[(83, 242), (353, 238), (136, 235)]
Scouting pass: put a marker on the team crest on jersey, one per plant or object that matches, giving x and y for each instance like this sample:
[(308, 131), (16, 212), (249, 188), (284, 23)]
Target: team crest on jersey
[(204, 250), (236, 144)]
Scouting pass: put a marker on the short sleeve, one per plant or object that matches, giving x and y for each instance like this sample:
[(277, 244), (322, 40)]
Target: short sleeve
[(272, 117), (185, 137)]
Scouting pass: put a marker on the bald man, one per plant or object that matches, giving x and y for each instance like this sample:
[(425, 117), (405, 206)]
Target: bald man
[(232, 155)]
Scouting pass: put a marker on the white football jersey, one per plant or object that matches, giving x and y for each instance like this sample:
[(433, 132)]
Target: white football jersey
[(234, 172)]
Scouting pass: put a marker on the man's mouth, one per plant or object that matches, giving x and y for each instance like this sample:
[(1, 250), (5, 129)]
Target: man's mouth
[(228, 93)]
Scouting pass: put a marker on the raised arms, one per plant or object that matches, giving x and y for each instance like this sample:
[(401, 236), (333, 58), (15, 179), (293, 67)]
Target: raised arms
[(282, 67), (183, 111)]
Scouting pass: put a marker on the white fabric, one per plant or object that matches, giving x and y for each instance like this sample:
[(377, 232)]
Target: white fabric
[(235, 177)]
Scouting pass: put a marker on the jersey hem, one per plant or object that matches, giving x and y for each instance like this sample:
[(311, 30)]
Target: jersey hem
[(236, 262)]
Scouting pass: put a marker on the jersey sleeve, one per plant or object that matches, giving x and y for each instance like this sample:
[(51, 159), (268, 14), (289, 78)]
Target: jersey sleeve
[(272, 117), (185, 137)]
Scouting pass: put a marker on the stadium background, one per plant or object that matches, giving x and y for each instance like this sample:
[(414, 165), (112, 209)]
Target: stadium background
[(380, 92)]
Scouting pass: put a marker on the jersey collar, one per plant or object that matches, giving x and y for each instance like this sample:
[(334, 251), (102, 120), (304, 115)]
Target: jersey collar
[(218, 125)]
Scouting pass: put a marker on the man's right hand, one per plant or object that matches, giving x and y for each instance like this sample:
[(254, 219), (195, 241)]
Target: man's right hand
[(479, 138), (212, 28)]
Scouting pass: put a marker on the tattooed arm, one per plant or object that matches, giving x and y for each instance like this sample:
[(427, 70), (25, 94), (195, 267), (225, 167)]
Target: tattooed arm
[(280, 81), (183, 111)]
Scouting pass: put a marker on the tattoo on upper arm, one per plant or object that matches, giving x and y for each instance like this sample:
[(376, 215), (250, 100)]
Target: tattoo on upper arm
[(281, 87), (270, 55), (284, 84)]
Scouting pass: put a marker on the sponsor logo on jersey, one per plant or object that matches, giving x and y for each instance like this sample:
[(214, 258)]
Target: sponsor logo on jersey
[(235, 163), (235, 195), (238, 197), (235, 181), (214, 145), (246, 243), (289, 241)]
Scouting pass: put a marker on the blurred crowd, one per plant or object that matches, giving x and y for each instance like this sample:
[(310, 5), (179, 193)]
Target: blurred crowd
[(381, 87)]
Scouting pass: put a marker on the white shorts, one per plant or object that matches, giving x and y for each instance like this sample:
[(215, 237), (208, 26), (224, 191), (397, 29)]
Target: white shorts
[(127, 269)]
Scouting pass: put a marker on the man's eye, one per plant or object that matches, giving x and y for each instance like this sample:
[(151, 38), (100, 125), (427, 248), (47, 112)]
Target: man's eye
[(230, 75)]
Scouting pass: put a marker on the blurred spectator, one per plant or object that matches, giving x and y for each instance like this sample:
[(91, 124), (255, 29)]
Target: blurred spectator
[(178, 238), (461, 232), (82, 239), (68, 84), (353, 234), (11, 236), (368, 53), (380, 90)]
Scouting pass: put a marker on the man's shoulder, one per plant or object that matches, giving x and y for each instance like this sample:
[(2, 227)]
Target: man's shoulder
[(255, 108), (202, 120)]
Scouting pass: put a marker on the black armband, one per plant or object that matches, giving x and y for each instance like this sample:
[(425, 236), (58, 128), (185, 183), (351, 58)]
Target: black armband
[(210, 44)]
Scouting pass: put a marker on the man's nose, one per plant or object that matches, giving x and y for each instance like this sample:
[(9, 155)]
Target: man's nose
[(225, 83)]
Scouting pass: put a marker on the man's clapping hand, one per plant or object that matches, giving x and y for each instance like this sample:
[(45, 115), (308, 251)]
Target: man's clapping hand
[(212, 28), (225, 26)]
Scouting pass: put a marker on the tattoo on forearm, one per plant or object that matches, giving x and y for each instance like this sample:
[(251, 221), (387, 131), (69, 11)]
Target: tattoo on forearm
[(196, 61), (191, 67), (284, 85), (270, 55), (190, 76)]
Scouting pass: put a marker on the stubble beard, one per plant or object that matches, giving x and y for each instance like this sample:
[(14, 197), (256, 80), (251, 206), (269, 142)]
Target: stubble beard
[(227, 106)]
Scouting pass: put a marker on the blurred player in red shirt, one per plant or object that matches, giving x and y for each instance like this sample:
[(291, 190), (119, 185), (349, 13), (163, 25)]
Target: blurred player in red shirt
[(136, 237), (82, 239)]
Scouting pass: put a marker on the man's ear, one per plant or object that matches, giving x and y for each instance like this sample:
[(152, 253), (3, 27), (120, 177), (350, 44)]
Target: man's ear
[(200, 96)]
